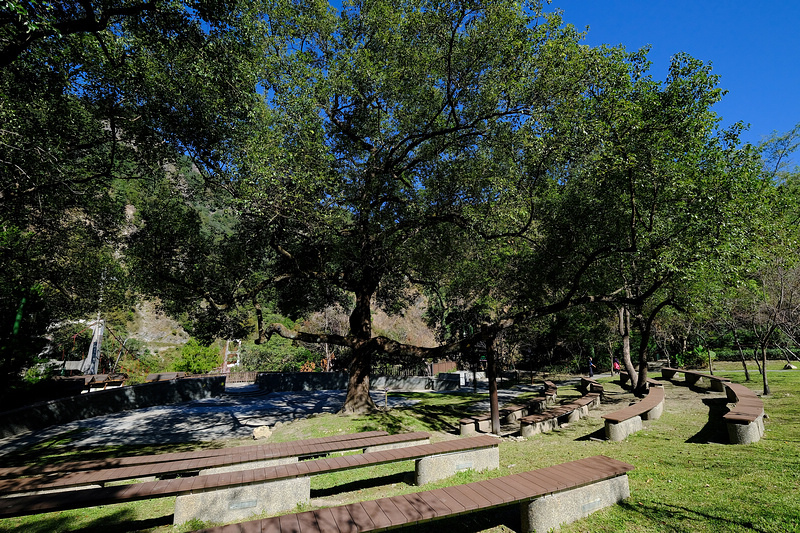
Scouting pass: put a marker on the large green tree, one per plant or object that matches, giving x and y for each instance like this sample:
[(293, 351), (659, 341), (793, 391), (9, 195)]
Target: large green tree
[(96, 98), (403, 129), (472, 145)]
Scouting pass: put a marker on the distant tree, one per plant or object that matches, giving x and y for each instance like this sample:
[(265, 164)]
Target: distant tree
[(197, 359)]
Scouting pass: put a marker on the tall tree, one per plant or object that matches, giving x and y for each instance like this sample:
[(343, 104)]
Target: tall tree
[(401, 127), (480, 146), (94, 96)]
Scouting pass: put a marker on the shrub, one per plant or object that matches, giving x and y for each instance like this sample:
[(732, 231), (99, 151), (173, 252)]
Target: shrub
[(197, 359)]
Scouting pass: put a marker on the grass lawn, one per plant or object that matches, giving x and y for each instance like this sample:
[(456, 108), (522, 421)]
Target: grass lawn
[(687, 478)]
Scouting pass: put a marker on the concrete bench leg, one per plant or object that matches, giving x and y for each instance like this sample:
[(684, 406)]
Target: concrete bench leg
[(620, 430), (436, 467), (529, 430), (692, 379), (484, 425), (746, 433), (467, 430), (654, 413), (549, 512), (239, 503), (717, 385), (667, 374)]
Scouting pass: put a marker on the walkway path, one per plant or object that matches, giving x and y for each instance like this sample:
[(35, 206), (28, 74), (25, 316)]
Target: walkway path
[(231, 416)]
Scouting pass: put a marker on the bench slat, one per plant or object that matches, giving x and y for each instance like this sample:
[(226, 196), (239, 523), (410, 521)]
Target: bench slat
[(653, 398)]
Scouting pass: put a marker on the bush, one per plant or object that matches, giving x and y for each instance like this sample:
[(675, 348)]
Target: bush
[(696, 358), (278, 355), (197, 359)]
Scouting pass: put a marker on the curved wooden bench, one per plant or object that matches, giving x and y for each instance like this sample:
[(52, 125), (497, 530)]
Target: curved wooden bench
[(547, 498), (590, 385), (693, 377), (627, 421), (471, 425), (238, 495), (164, 376), (554, 417), (624, 378), (746, 419)]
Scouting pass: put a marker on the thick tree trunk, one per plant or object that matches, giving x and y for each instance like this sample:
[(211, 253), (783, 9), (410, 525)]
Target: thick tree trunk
[(625, 331), (358, 399), (764, 367), (491, 375)]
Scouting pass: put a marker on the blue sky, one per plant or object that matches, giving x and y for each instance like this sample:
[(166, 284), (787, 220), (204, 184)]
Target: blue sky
[(753, 46)]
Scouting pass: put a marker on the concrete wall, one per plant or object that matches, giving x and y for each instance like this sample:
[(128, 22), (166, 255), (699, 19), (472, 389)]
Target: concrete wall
[(298, 381), (61, 411)]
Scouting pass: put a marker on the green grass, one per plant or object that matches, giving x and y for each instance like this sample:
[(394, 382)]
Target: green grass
[(686, 478)]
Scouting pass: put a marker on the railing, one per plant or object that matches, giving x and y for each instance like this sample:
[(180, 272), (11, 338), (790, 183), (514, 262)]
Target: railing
[(444, 366), (241, 377)]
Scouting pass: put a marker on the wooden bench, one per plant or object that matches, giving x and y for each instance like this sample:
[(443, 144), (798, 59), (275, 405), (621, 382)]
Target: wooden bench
[(547, 499), (590, 385), (220, 461), (693, 377), (238, 495), (745, 420), (559, 415), (550, 392), (624, 378), (482, 422), (299, 448), (471, 425), (627, 421)]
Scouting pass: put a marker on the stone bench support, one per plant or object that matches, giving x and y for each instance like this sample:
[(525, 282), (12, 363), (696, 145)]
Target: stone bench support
[(746, 433), (746, 419), (436, 467), (627, 421), (620, 430), (549, 512), (243, 501)]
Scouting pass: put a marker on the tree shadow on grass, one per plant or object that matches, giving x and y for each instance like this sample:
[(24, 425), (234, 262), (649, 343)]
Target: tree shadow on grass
[(599, 434), (58, 450), (441, 418), (508, 516), (675, 514), (119, 522), (715, 430), (361, 484)]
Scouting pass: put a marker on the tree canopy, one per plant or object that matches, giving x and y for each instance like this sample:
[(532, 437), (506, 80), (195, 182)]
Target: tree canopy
[(222, 155)]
